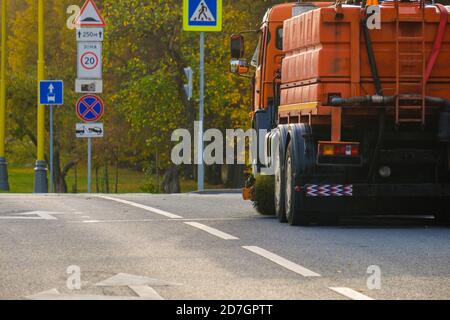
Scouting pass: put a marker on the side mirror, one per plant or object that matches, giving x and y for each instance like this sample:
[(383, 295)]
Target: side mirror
[(239, 67), (237, 46)]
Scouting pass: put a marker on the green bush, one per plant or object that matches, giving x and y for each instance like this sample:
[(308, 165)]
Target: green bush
[(263, 195)]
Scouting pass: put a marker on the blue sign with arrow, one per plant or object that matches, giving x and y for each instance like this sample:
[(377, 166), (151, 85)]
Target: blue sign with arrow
[(51, 92)]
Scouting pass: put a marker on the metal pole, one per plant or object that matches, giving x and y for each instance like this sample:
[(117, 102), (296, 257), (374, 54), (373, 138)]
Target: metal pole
[(201, 165), (51, 149), (89, 163), (40, 171), (4, 184)]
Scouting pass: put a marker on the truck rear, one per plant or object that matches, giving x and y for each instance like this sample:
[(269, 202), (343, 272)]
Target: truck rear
[(355, 100)]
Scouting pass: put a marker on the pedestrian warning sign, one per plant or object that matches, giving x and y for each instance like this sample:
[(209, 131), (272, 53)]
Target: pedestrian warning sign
[(202, 15)]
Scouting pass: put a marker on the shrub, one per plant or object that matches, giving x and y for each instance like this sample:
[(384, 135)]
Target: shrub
[(263, 195)]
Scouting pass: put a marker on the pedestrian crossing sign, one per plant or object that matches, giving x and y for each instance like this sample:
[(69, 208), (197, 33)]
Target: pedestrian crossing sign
[(202, 15)]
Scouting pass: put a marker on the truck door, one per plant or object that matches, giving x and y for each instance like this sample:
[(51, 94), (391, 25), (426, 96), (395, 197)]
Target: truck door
[(258, 63)]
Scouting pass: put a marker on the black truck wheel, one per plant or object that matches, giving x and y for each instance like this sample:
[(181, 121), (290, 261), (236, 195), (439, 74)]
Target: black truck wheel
[(293, 200), (280, 192), (443, 213), (300, 161)]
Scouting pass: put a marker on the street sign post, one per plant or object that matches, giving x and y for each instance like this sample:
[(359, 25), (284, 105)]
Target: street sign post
[(51, 93), (89, 130), (202, 16), (90, 35), (89, 60)]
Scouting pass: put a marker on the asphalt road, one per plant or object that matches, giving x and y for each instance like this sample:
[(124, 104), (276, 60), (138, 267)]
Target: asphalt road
[(208, 247)]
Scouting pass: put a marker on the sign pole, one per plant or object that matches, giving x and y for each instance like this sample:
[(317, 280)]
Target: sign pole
[(40, 171), (51, 149), (4, 184), (89, 163), (201, 165)]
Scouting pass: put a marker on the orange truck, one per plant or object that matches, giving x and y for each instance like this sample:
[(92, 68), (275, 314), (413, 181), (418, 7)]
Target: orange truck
[(359, 112)]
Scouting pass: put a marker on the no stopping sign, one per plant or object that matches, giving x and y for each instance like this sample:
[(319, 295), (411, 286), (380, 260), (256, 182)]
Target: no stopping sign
[(90, 108)]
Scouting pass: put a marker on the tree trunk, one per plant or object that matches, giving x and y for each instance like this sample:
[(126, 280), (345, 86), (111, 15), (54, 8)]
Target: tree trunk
[(171, 183)]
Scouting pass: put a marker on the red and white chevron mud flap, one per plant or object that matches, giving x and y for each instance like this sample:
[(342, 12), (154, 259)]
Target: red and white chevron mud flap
[(329, 190)]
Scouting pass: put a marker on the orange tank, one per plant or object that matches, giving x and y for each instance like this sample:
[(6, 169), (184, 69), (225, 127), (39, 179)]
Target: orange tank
[(326, 54)]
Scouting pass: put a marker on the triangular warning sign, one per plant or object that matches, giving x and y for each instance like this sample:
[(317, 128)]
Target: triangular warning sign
[(90, 16), (202, 13)]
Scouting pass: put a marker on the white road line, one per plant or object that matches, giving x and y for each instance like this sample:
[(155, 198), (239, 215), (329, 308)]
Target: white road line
[(145, 292), (282, 261), (163, 220), (350, 293), (141, 206), (212, 231)]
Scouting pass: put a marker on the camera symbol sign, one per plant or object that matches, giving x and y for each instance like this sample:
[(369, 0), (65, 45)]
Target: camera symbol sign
[(90, 108)]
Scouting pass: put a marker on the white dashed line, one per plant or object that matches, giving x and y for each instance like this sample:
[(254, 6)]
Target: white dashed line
[(141, 206), (352, 294), (212, 231), (282, 261)]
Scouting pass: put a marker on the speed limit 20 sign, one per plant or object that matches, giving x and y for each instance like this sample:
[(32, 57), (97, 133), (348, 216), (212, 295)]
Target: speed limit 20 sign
[(89, 60)]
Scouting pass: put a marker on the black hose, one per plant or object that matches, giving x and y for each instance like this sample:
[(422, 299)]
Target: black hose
[(384, 101), (379, 92)]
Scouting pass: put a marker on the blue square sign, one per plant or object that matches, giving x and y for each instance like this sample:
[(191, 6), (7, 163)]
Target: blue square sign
[(202, 15), (51, 92)]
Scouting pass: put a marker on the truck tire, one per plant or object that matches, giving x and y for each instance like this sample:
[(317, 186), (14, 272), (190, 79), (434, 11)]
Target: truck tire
[(300, 161), (280, 179), (294, 213), (443, 214), (280, 191)]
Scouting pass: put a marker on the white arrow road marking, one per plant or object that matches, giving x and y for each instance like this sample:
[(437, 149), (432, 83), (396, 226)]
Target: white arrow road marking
[(146, 292), (126, 280), (212, 231), (41, 215), (141, 286), (141, 206), (282, 262), (352, 294)]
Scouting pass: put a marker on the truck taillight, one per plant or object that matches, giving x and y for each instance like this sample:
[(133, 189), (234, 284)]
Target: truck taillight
[(342, 149)]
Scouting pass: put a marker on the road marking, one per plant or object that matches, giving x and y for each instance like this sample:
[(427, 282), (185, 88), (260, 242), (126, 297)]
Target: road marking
[(161, 220), (350, 293), (141, 206), (41, 215), (54, 295), (212, 231), (146, 292), (125, 279), (282, 261)]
